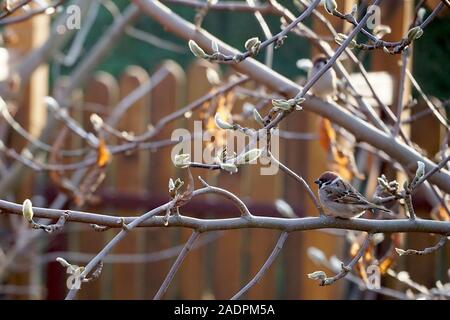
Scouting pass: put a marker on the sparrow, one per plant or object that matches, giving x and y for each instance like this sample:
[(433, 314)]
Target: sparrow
[(340, 199), (325, 87)]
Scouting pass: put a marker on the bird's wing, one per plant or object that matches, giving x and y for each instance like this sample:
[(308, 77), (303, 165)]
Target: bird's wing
[(345, 193)]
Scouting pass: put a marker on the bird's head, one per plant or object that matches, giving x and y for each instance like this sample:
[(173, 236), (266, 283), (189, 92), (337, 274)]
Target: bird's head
[(326, 178)]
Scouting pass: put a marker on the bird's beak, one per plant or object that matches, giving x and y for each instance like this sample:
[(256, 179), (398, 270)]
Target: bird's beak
[(317, 181)]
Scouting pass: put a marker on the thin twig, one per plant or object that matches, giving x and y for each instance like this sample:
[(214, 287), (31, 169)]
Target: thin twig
[(401, 90), (302, 182), (265, 266), (298, 224), (425, 251), (347, 268), (176, 265)]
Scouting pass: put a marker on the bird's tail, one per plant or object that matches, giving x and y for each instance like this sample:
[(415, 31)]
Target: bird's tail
[(381, 208)]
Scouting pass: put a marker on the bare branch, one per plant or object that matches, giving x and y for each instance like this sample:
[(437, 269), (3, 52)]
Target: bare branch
[(402, 153), (265, 266), (347, 268), (425, 251), (300, 224), (176, 265)]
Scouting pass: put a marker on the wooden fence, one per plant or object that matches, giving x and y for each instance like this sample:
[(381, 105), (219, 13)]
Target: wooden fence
[(223, 261)]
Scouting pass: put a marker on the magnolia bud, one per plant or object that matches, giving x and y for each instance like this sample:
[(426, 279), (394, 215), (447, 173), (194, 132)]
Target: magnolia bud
[(421, 13), (381, 30), (196, 50), (212, 76), (96, 121), (63, 262), (252, 45), (340, 38), (171, 185), (304, 64), (222, 124), (330, 6), (281, 104), (420, 172), (400, 252), (285, 209), (403, 276), (386, 50), (250, 156), (298, 102), (317, 275), (316, 255), (182, 160), (230, 167), (415, 33), (27, 210), (377, 238), (247, 109), (335, 263)]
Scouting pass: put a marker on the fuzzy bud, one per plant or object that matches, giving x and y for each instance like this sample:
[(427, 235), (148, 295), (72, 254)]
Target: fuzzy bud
[(182, 160), (335, 263), (330, 6), (284, 209), (420, 172), (250, 156), (304, 64), (317, 275), (222, 124), (403, 276), (414, 33), (27, 210), (421, 14), (97, 121), (63, 262), (381, 30), (212, 76), (171, 185), (196, 50), (281, 104), (230, 167), (340, 38), (316, 255), (252, 45)]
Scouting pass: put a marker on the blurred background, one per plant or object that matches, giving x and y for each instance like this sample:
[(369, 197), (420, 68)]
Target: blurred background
[(149, 57)]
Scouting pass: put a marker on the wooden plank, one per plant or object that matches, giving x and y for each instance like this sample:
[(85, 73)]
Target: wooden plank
[(32, 113), (166, 97), (101, 93), (296, 196), (316, 163), (230, 250), (192, 275), (262, 187), (433, 266), (398, 15), (131, 178)]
